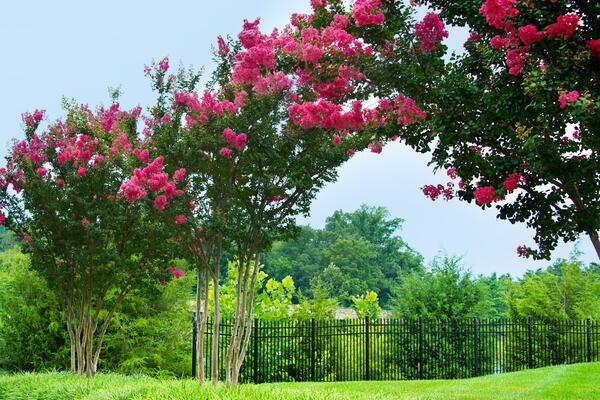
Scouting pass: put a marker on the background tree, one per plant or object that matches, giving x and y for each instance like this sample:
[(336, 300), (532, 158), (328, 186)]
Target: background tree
[(565, 290), (151, 330), (494, 291), (444, 291), (355, 252), (7, 239), (63, 192), (31, 323)]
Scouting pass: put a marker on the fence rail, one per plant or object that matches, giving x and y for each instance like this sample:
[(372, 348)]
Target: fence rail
[(395, 349)]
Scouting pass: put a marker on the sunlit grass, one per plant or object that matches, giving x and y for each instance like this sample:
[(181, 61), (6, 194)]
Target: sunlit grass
[(579, 381)]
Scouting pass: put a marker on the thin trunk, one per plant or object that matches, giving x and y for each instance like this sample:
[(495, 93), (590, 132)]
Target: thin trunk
[(240, 334), (201, 318), (582, 208), (595, 242), (241, 351), (216, 329)]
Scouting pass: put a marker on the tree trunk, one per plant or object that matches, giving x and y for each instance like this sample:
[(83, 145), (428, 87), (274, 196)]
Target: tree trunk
[(242, 330), (201, 319)]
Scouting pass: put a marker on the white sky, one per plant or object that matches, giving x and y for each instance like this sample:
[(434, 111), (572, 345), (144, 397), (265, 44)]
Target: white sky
[(79, 49)]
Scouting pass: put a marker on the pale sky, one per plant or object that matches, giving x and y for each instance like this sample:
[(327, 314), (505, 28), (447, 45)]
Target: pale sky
[(79, 49)]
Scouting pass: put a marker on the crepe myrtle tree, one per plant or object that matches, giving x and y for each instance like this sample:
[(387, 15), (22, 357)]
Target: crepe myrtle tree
[(519, 125), (513, 118), (63, 192), (282, 112)]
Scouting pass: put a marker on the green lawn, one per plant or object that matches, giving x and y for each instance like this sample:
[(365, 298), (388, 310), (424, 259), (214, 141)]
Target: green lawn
[(579, 381)]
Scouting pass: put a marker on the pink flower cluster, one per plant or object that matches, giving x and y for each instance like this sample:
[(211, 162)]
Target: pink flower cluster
[(564, 97), (593, 46), (496, 11), (523, 251), (513, 181), (486, 195), (327, 115), (206, 107), (367, 12), (177, 273), (34, 150), (431, 31), (31, 120), (434, 191), (151, 177), (499, 13), (564, 27), (530, 35), (2, 219)]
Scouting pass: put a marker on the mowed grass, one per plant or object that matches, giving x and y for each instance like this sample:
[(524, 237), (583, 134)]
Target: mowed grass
[(578, 381)]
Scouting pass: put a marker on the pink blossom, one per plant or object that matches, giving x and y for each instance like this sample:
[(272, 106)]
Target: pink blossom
[(160, 202), (178, 273), (434, 191), (431, 31), (81, 171), (166, 118), (593, 46), (225, 151), (564, 27), (240, 141), (250, 35), (85, 222), (367, 12), (513, 181), (179, 175), (529, 34), (485, 195), (514, 60), (523, 251), (157, 181), (452, 173), (27, 238), (564, 98), (132, 191), (31, 120), (350, 152), (376, 147), (169, 189), (180, 219), (336, 140), (223, 48), (2, 219), (164, 64), (41, 172), (142, 155), (495, 12)]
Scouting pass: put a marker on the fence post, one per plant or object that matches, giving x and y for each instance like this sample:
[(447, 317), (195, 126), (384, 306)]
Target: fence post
[(254, 333), (589, 339), (367, 367), (420, 347), (476, 346), (313, 340), (530, 342), (194, 339)]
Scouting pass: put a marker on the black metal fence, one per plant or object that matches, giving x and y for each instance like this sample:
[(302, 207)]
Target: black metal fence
[(395, 349)]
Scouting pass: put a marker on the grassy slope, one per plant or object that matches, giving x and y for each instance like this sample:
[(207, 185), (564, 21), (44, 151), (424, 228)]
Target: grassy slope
[(579, 381)]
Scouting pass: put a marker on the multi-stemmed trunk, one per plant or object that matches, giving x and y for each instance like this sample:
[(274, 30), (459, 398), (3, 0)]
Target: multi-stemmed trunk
[(82, 311), (242, 327)]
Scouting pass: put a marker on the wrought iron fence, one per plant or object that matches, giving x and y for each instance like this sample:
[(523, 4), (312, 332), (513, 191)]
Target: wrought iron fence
[(395, 349)]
